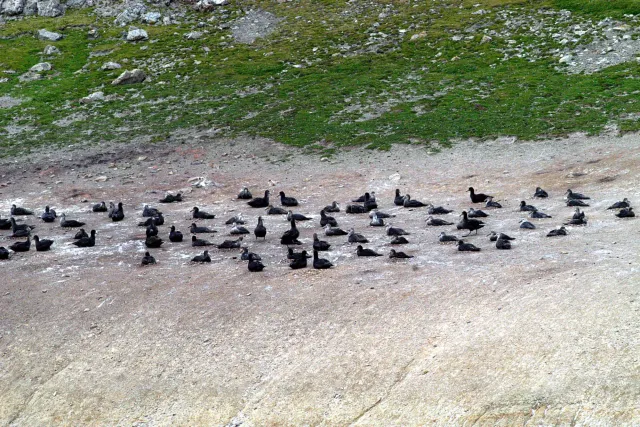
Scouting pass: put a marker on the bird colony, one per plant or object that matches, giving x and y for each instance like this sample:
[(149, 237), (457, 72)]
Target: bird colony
[(299, 254)]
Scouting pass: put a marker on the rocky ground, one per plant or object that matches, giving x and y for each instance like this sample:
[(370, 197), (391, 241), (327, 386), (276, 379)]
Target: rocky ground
[(545, 333)]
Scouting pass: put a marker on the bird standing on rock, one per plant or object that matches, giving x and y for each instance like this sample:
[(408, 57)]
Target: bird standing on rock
[(260, 230), (297, 216), (399, 199), (395, 231), (200, 229), (620, 205), (540, 193), (300, 262), (152, 230), (287, 201), (327, 219), (467, 247), (21, 246), (153, 242), (436, 222), (199, 242), (410, 203), (100, 207), (332, 208), (49, 215), (245, 194), (334, 231), (320, 263), (175, 236), (538, 215), (42, 245), (69, 223), (255, 265), (477, 213), (399, 240), (118, 214), (231, 244), (526, 225), (148, 259), (356, 237), (290, 237), (360, 251), (477, 198), (399, 255), (626, 213), (149, 212), (260, 202), (437, 210), (319, 245), (355, 209), (274, 210), (16, 211), (557, 232), (170, 198), (376, 221), (524, 207), (238, 229), (446, 238), (469, 224), (491, 204), (198, 214), (86, 242), (202, 258), (576, 202), (576, 196)]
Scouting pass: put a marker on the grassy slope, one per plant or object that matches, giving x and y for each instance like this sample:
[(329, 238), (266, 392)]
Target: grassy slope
[(459, 89)]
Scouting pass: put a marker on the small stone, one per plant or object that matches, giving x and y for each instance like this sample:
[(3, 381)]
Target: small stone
[(101, 178), (324, 159), (486, 39), (85, 310), (49, 35)]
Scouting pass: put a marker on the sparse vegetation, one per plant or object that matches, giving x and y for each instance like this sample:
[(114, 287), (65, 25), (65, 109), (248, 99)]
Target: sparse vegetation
[(388, 72)]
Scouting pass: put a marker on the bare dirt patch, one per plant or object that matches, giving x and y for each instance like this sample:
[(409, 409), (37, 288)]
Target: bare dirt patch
[(545, 333)]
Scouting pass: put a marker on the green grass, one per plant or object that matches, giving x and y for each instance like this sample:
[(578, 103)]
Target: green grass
[(431, 90), (614, 8)]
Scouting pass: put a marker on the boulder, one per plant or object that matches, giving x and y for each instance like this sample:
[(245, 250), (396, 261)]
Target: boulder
[(51, 50), (130, 77), (48, 35), (30, 8), (12, 7), (29, 77), (50, 8), (151, 17), (39, 68), (108, 66), (136, 34)]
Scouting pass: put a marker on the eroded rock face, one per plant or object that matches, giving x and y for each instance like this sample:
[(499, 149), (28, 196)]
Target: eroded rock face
[(130, 77)]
